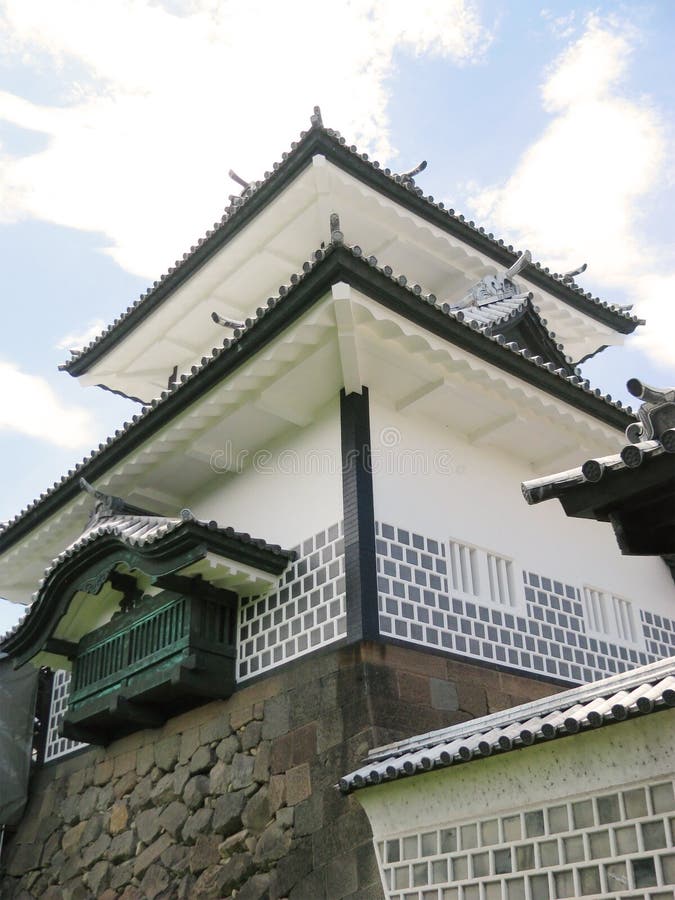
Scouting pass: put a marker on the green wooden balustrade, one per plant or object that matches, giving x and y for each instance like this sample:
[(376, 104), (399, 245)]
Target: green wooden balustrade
[(171, 652)]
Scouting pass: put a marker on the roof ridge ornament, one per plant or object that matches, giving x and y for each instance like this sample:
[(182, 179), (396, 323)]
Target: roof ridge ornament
[(409, 177), (226, 323), (336, 236), (568, 277), (492, 288), (656, 415), (316, 119), (106, 504)]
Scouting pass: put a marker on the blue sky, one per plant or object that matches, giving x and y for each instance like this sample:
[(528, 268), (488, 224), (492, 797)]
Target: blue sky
[(550, 124)]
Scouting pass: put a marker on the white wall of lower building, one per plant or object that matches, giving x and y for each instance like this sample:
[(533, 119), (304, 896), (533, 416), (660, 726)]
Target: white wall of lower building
[(588, 815)]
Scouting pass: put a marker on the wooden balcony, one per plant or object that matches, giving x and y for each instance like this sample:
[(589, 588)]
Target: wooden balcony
[(171, 652)]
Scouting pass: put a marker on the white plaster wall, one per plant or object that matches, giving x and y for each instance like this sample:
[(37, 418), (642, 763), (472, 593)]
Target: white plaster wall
[(295, 492), (430, 480), (622, 754)]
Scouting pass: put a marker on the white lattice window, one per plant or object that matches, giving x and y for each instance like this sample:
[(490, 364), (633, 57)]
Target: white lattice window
[(610, 616), (482, 575), (57, 746), (610, 846)]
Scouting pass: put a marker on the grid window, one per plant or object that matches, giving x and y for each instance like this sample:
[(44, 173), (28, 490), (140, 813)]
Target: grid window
[(57, 746), (500, 577), (615, 846), (610, 616), (464, 569)]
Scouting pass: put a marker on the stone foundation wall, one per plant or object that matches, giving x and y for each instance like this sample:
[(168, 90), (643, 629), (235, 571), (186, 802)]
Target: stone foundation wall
[(237, 798)]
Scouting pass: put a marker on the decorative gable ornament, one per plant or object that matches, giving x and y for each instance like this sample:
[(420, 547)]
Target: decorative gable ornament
[(656, 415), (492, 288)]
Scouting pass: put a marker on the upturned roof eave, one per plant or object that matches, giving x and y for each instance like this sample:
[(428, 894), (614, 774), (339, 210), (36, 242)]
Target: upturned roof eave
[(323, 141), (338, 263)]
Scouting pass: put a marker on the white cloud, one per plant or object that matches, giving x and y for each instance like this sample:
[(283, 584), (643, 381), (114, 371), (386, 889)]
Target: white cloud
[(31, 407), (141, 146), (77, 340), (580, 190)]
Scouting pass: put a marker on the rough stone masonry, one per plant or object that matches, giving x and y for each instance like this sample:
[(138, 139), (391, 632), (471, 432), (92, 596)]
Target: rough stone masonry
[(237, 798)]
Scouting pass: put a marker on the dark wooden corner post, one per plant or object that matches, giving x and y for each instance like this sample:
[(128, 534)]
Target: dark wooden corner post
[(359, 518)]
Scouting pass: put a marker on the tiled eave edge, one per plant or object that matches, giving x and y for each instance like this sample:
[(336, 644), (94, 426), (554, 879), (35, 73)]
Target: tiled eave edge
[(631, 694), (584, 478), (178, 539), (334, 148), (335, 263)]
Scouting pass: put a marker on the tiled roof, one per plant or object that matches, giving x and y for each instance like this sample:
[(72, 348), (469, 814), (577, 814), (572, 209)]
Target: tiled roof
[(230, 347), (632, 456), (213, 237), (630, 694), (138, 531)]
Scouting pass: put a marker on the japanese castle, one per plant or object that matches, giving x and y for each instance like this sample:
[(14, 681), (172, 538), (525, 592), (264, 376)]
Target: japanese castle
[(311, 542)]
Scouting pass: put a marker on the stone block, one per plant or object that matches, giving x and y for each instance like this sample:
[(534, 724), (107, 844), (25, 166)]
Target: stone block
[(125, 785), (75, 783), (121, 875), (298, 784), (151, 854), (50, 847), (340, 877), (181, 776), (46, 827), (293, 867), (176, 859), (309, 815), (119, 817), (257, 812), (256, 888), (195, 790), (141, 796), (236, 870), (198, 823), (174, 817), (286, 816), (211, 883), (96, 851), (155, 881), (367, 871), (105, 797), (70, 810), (220, 778), (242, 771), (227, 748), (250, 736), (227, 813), (217, 728), (123, 763), (261, 767), (72, 838), (310, 887), (96, 878), (23, 858), (122, 847), (274, 843), (277, 791), (329, 731), (166, 752), (276, 717), (145, 759), (414, 688), (303, 744), (201, 760), (148, 824), (103, 771), (280, 757), (164, 791), (205, 853), (93, 828), (443, 694), (241, 716), (189, 743)]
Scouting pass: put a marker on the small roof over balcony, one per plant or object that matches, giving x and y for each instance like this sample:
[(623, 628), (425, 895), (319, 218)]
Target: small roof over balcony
[(125, 552)]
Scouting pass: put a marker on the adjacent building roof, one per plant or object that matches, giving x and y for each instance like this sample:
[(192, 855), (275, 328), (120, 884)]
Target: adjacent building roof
[(399, 188), (633, 489), (335, 262), (639, 692)]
